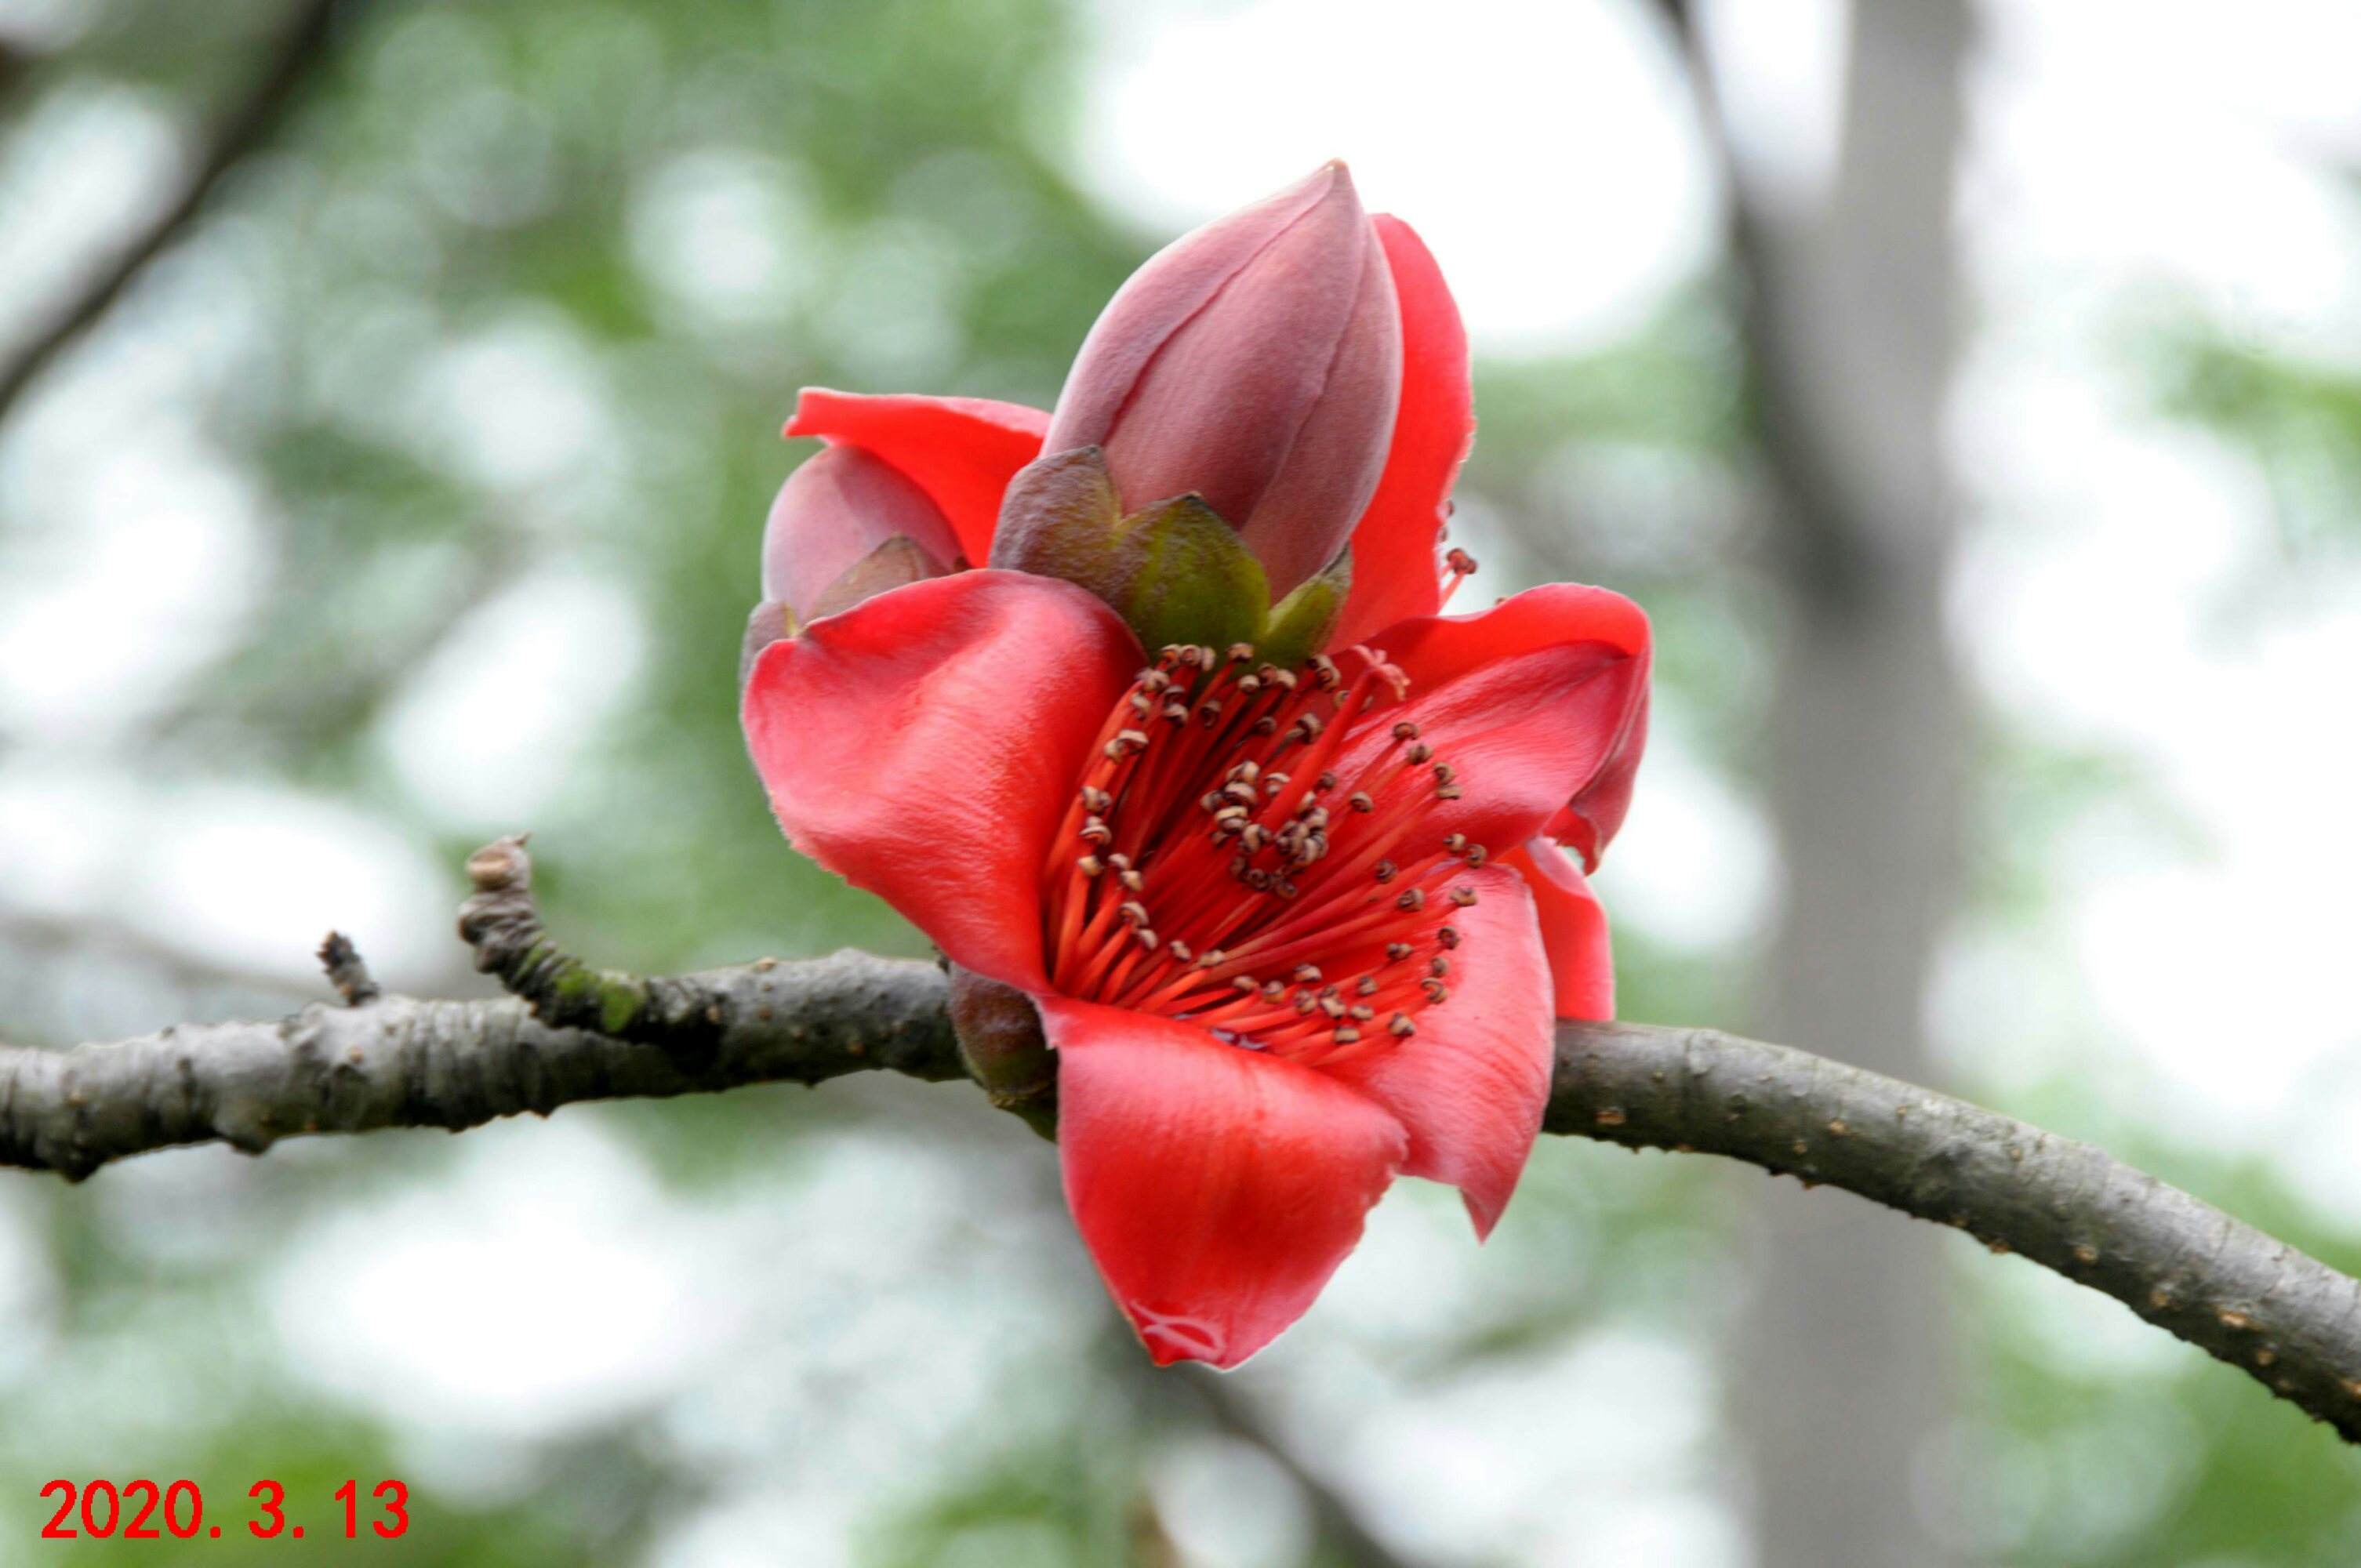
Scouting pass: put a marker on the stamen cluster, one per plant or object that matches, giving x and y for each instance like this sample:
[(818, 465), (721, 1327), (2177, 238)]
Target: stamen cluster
[(1219, 864)]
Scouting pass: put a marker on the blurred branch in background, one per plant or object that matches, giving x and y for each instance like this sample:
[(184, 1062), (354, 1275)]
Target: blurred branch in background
[(1343, 1535), (16, 64), (244, 127), (1847, 306), (573, 1034), (93, 936)]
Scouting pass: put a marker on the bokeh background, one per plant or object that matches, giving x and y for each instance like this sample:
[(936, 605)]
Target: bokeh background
[(1972, 392)]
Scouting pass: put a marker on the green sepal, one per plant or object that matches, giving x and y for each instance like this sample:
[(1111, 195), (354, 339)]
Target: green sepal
[(1174, 570), (1300, 622), (1059, 518), (1180, 573)]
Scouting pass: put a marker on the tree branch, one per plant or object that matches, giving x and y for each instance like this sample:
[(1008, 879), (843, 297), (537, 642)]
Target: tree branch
[(2285, 1319), (572, 1033), (249, 124)]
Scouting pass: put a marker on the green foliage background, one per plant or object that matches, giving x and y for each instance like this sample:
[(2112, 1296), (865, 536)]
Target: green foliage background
[(535, 173)]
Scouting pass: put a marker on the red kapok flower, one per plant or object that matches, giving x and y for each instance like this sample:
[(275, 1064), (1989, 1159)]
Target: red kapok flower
[(1293, 922)]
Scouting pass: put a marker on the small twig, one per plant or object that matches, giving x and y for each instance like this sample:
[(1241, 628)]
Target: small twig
[(347, 972)]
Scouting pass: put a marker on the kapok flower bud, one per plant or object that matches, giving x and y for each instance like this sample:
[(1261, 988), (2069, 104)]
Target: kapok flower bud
[(834, 515), (1256, 363)]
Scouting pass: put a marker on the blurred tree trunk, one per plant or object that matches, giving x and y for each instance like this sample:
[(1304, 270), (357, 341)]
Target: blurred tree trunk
[(1841, 1371)]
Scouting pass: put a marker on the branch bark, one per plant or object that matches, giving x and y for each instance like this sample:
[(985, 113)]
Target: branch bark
[(572, 1033), (248, 125)]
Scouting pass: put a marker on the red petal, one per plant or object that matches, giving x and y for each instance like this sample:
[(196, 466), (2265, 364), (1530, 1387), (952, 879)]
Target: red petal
[(960, 451), (835, 510), (1470, 1085), (1591, 818), (1574, 930), (1394, 570), (1216, 1188), (1576, 653), (924, 743)]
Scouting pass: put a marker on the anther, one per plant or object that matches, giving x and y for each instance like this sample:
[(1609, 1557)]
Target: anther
[(1252, 829), (1436, 991), (1461, 563)]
